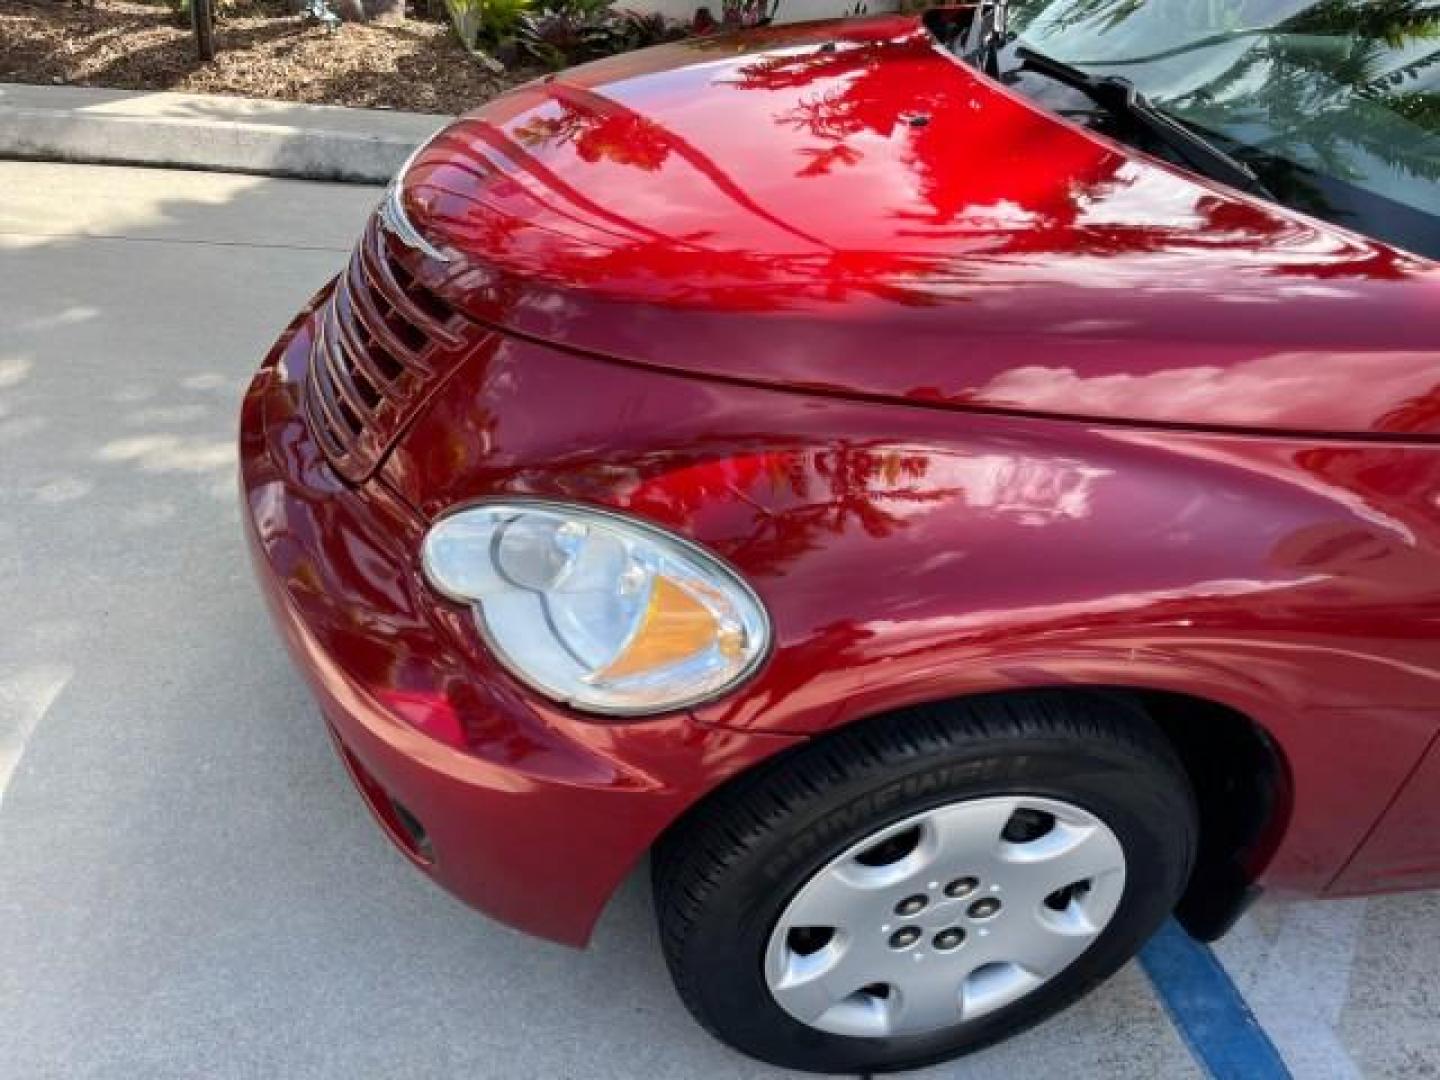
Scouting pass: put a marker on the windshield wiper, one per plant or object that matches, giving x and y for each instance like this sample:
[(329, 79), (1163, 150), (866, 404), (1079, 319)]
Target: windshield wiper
[(1119, 97)]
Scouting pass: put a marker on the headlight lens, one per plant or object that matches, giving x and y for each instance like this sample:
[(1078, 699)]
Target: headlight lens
[(598, 610)]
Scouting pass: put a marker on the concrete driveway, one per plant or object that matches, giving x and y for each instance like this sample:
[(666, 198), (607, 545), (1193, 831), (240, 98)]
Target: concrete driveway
[(188, 886)]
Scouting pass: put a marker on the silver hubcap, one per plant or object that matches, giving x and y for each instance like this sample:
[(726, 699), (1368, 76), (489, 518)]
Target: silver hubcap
[(945, 916)]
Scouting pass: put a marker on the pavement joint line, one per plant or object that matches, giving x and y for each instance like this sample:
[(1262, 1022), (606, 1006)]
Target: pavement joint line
[(1208, 1010)]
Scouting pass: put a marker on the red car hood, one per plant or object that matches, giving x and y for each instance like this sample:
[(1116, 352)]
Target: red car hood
[(844, 208)]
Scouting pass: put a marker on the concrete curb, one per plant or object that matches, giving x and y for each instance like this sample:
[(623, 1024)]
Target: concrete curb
[(203, 131)]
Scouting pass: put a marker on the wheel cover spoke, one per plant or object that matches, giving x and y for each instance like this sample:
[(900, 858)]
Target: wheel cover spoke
[(835, 897), (945, 916), (1066, 854), (967, 834), (825, 988), (926, 1003), (1039, 946)]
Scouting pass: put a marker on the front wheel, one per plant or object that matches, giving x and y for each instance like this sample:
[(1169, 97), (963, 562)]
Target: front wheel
[(926, 884)]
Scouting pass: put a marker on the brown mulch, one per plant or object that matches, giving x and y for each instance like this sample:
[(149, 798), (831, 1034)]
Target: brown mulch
[(261, 51)]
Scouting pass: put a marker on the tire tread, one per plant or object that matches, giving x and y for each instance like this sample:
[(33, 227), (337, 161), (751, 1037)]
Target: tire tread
[(691, 860)]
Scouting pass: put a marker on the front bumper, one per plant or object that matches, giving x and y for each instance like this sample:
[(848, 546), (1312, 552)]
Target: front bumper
[(529, 812)]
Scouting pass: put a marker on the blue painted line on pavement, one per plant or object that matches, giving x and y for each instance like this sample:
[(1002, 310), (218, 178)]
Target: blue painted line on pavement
[(1207, 1009)]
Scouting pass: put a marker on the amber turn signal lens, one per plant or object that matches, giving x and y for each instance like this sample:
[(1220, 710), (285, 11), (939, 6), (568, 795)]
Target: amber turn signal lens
[(675, 627)]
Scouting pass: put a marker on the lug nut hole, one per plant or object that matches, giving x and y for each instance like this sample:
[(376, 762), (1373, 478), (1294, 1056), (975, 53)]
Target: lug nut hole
[(952, 937), (911, 905), (961, 887), (984, 908), (904, 937)]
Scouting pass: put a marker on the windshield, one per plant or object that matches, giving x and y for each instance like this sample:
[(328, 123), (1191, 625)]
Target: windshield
[(1335, 104)]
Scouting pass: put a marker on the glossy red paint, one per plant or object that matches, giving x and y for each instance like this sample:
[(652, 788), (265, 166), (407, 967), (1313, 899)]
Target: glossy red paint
[(1401, 852), (532, 814), (976, 404), (770, 212), (911, 554)]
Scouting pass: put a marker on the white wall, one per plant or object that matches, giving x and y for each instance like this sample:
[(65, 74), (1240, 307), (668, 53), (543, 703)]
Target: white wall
[(806, 10), (789, 10)]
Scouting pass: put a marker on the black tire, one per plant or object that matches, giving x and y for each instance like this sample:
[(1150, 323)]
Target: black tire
[(202, 17), (723, 876)]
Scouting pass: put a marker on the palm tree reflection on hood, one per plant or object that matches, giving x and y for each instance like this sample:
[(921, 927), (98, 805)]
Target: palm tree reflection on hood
[(1331, 91), (957, 189), (965, 151), (625, 138), (971, 164)]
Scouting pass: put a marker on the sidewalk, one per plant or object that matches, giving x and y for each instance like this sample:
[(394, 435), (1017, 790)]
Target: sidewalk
[(196, 131)]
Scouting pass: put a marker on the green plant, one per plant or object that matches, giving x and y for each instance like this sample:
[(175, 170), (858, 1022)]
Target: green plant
[(562, 36), (748, 12), (555, 33), (580, 7), (640, 30), (487, 23), (566, 32)]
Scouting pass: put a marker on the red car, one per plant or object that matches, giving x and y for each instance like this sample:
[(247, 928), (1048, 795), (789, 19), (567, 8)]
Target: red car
[(949, 498)]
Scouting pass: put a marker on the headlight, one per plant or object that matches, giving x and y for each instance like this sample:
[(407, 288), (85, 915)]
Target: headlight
[(393, 216), (598, 610)]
